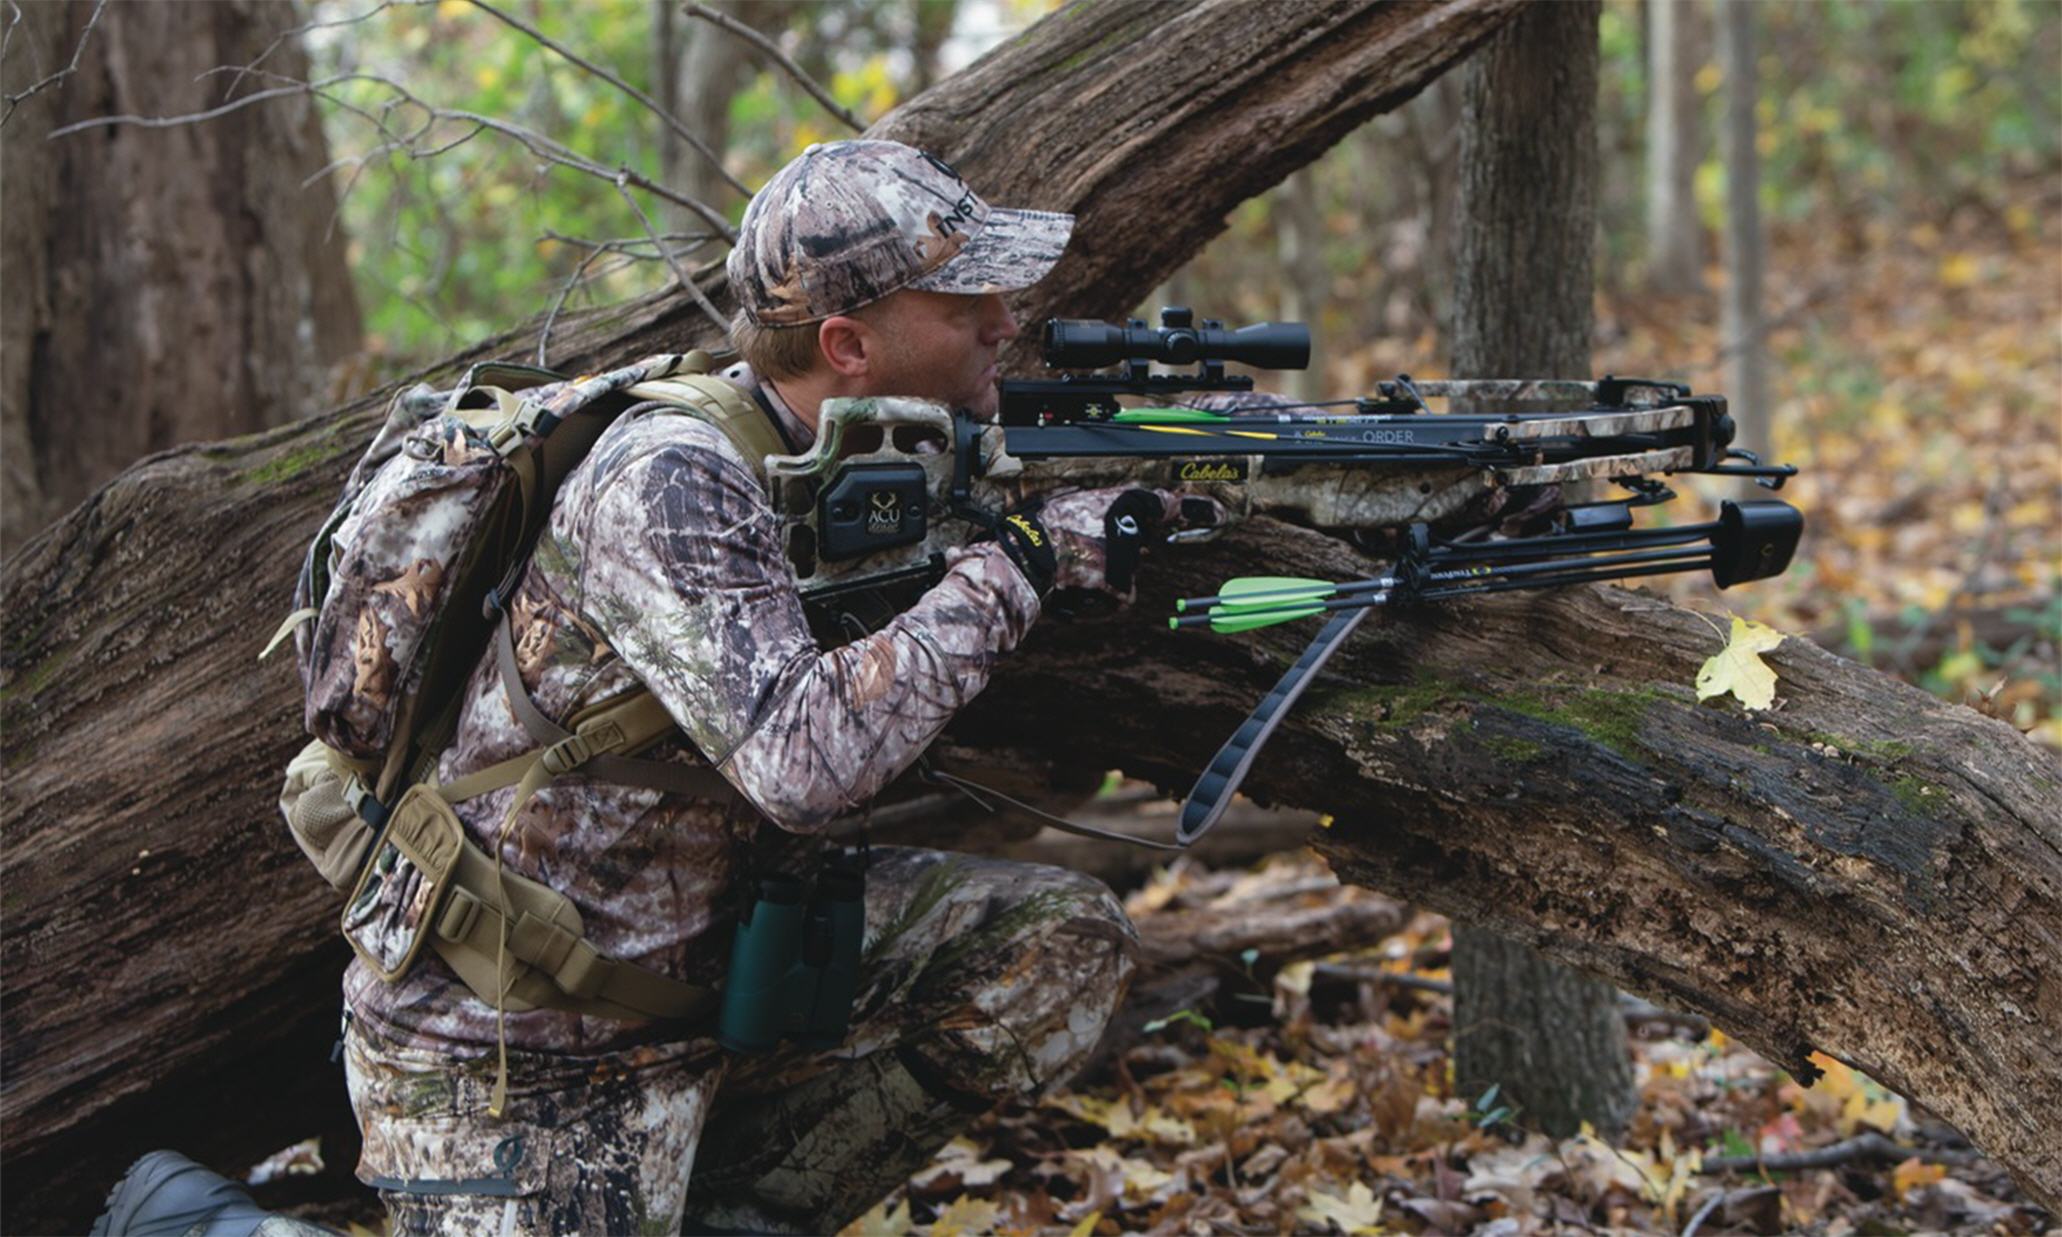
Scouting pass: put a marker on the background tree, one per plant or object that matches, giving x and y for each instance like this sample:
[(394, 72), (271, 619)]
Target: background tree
[(1675, 233), (1550, 1037), (1745, 255), (163, 287)]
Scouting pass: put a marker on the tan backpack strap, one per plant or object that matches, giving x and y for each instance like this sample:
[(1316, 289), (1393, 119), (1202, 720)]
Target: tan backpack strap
[(723, 405), (596, 746), (545, 935)]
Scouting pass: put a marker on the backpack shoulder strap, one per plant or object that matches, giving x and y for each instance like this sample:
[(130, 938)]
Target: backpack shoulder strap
[(693, 390)]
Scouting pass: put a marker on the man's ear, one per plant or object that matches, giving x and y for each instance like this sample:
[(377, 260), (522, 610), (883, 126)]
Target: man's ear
[(847, 345)]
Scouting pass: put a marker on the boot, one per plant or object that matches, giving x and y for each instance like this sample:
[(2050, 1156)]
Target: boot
[(165, 1194)]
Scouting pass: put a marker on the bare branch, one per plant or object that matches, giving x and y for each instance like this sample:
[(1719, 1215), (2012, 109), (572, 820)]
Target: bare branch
[(623, 248), (167, 122), (558, 302), (303, 28), (1862, 1148), (687, 284), (725, 21), (7, 39), (671, 121), (14, 100)]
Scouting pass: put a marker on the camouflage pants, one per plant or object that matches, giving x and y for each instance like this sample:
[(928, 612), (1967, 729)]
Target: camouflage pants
[(982, 980)]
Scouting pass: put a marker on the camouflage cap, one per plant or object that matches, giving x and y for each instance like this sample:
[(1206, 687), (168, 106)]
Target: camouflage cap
[(846, 223)]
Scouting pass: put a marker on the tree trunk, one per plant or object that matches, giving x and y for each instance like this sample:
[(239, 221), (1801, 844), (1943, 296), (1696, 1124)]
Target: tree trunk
[(1745, 257), (1675, 263), (1549, 1037), (1300, 244), (163, 285), (698, 68), (168, 954)]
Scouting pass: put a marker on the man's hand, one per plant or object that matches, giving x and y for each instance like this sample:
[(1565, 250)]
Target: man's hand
[(1093, 539)]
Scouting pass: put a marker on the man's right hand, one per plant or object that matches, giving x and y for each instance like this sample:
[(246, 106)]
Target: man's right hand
[(1095, 537)]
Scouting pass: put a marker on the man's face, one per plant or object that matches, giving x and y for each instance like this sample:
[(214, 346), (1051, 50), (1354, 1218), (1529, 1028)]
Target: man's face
[(939, 346)]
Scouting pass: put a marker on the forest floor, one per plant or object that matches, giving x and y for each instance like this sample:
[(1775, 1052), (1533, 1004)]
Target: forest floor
[(1304, 1102)]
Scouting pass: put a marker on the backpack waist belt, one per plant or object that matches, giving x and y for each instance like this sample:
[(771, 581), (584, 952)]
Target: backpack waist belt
[(545, 959)]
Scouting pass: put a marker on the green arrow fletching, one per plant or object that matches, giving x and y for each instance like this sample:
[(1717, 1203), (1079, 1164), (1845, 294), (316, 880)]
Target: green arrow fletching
[(1249, 592), (1249, 620)]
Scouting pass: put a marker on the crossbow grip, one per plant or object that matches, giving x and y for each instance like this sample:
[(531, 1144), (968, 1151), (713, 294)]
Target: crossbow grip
[(1213, 791)]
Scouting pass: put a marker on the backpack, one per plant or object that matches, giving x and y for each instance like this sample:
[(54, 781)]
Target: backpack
[(401, 593)]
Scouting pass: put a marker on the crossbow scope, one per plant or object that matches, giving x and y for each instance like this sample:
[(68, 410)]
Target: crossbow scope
[(1084, 343)]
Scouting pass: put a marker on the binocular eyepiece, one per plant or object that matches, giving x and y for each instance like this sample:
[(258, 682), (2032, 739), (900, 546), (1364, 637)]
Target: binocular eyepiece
[(1084, 343)]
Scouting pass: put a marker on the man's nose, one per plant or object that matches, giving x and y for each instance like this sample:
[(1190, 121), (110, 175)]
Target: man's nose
[(998, 323)]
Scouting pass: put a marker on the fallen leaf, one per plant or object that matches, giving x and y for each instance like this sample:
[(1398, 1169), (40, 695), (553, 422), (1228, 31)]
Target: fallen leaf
[(1359, 1212), (966, 1217), (1912, 1174), (880, 1222), (1738, 668)]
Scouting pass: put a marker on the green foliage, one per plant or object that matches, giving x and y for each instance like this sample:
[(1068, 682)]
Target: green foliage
[(454, 246)]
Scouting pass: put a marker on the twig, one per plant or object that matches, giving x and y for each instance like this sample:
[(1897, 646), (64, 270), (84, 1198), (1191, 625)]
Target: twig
[(558, 303), (251, 66), (724, 21), (1395, 979), (7, 36), (679, 273), (596, 249), (1712, 1204), (1863, 1147), (15, 100), (167, 122), (671, 121)]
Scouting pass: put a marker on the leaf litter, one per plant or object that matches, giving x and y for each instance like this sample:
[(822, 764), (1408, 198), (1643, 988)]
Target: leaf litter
[(1331, 1110)]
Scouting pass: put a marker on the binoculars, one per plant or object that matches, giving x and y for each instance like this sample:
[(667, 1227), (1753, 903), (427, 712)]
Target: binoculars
[(794, 964)]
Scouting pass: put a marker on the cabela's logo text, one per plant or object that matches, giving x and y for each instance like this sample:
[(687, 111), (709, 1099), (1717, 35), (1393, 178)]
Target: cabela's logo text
[(1213, 470)]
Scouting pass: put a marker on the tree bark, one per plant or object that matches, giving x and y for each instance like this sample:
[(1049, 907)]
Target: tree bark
[(1675, 263), (163, 285), (1547, 1036), (167, 952)]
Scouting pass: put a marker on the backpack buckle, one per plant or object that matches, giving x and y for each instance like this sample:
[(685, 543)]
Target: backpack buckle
[(505, 438), (566, 755)]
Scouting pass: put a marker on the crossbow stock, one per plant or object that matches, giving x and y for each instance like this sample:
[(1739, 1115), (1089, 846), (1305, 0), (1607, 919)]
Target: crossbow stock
[(890, 484)]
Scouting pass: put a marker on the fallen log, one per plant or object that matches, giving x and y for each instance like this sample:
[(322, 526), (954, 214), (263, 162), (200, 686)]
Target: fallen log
[(1864, 870), (170, 961)]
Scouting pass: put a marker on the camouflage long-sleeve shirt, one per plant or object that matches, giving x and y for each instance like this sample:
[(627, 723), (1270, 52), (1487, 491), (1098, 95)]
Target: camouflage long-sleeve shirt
[(660, 566)]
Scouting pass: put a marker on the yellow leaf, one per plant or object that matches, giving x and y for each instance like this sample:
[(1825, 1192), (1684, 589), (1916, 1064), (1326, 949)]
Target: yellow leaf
[(1958, 270), (1329, 1096), (448, 9), (487, 76), (880, 1222), (1738, 668), (966, 1217), (1359, 1212), (1911, 1175), (1087, 1225), (1165, 1129)]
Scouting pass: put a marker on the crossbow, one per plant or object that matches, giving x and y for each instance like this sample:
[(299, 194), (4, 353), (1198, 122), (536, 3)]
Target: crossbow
[(890, 483)]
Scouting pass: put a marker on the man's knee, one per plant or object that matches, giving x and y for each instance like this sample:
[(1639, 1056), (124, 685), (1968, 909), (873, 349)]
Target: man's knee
[(1034, 984)]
